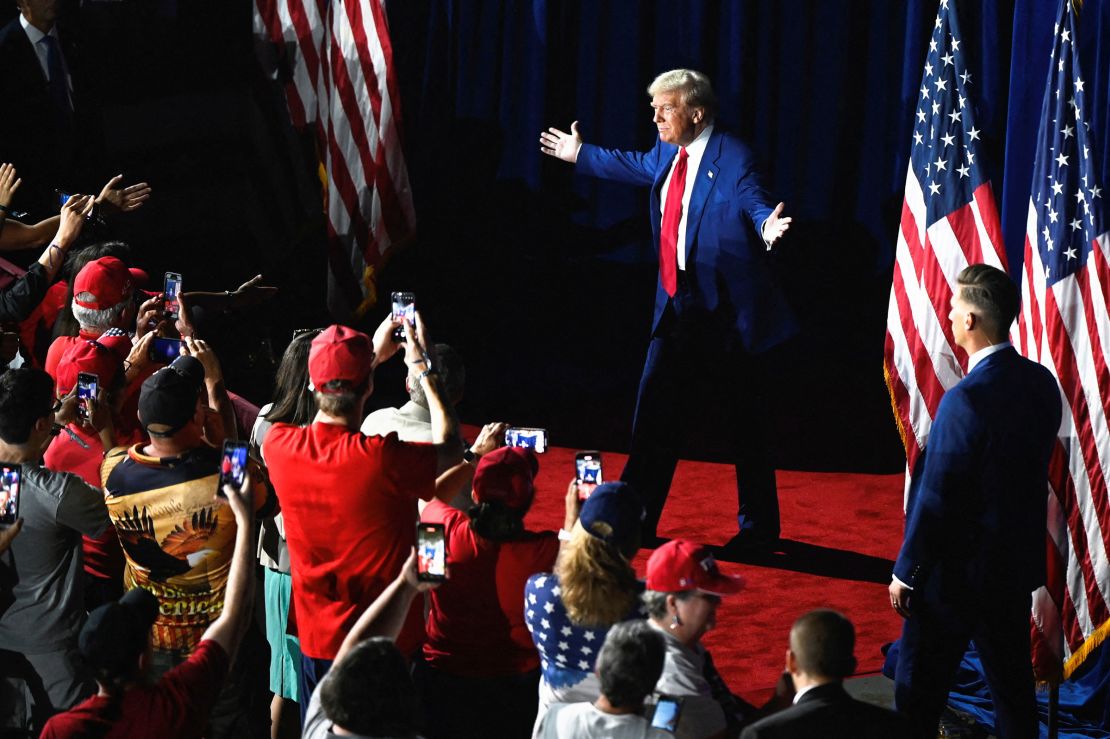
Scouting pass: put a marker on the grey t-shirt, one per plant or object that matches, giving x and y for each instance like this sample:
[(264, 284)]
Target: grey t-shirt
[(584, 720), (318, 726), (42, 569)]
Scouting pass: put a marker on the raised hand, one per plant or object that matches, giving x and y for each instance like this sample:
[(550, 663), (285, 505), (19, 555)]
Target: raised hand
[(123, 199), (775, 226), (560, 144), (9, 183)]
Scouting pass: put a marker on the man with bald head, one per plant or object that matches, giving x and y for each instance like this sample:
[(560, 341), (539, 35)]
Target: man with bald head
[(818, 659)]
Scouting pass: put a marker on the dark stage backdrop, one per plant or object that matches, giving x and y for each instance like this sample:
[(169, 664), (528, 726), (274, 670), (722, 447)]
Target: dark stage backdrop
[(545, 280), (557, 272)]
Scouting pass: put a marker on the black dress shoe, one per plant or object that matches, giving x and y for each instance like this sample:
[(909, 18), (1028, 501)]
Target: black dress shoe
[(751, 541)]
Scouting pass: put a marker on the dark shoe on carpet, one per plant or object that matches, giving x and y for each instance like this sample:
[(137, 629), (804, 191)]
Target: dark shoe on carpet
[(750, 541)]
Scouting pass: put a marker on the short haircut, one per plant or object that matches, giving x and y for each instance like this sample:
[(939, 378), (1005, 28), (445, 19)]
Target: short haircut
[(341, 399), (655, 602), (823, 642), (26, 395), (630, 663), (696, 89), (452, 374), (370, 691), (993, 294), (98, 320)]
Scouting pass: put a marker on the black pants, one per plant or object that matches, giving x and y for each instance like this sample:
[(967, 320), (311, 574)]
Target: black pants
[(696, 366), (934, 640)]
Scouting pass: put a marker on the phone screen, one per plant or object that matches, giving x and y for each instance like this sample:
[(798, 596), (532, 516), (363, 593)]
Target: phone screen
[(87, 384), (666, 713), (233, 465), (587, 470), (431, 552), (10, 477), (163, 350), (172, 288), (528, 438), (63, 197), (404, 309)]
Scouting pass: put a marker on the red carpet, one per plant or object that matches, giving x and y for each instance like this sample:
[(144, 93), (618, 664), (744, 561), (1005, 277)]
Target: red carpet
[(840, 534)]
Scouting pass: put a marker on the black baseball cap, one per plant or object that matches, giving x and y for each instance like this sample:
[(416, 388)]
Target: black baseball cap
[(116, 633), (169, 396)]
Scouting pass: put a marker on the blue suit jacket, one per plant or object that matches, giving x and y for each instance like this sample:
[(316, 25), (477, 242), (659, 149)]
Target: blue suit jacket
[(726, 260), (978, 502)]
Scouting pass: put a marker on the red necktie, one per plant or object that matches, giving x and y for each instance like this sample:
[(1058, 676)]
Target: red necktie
[(668, 235)]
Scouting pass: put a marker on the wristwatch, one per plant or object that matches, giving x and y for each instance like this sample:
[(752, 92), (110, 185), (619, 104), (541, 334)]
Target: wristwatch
[(470, 457)]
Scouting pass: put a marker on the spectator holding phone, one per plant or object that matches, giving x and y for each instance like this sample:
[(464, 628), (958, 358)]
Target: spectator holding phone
[(178, 538), (81, 450), (118, 640), (369, 691), (570, 611), (480, 670), (628, 666), (349, 500), (684, 590), (40, 623)]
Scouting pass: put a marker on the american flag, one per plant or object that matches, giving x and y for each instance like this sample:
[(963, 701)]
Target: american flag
[(343, 81), (1064, 325), (949, 220)]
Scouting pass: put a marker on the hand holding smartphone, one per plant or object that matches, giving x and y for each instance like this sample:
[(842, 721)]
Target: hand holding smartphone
[(667, 711), (587, 471), (431, 552), (87, 387), (527, 438), (233, 466), (171, 289), (11, 477), (163, 350), (404, 310)]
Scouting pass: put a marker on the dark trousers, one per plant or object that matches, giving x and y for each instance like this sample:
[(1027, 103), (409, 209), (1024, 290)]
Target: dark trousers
[(934, 639), (313, 671), (461, 707), (695, 367)]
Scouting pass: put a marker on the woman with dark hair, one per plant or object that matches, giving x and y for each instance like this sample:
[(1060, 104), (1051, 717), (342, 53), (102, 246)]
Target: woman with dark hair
[(293, 403), (480, 670)]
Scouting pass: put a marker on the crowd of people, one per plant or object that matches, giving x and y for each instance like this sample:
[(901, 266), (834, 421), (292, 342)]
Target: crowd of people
[(129, 568), (129, 574)]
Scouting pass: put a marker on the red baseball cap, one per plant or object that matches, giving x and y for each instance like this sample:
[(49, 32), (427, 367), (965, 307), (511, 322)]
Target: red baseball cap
[(506, 476), (87, 356), (108, 280), (340, 353), (683, 565)]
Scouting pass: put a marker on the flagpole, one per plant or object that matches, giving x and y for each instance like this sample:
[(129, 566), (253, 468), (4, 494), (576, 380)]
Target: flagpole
[(1054, 710)]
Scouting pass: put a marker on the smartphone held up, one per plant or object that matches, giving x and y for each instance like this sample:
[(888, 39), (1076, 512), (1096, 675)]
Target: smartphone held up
[(431, 552), (404, 309), (233, 466), (587, 472)]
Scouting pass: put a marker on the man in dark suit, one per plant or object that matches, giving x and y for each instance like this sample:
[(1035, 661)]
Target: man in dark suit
[(42, 126), (716, 304), (974, 546), (820, 656)]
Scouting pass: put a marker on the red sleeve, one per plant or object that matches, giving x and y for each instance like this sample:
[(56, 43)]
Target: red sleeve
[(193, 686), (411, 466), (54, 355)]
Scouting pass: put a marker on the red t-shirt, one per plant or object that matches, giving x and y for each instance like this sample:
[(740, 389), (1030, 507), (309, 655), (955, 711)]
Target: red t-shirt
[(102, 555), (349, 506), (476, 623), (178, 705)]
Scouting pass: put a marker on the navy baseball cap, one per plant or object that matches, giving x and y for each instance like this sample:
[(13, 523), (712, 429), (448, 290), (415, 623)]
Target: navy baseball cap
[(614, 514)]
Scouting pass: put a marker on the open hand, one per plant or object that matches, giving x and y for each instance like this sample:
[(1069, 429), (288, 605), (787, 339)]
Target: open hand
[(775, 225), (123, 199), (560, 144)]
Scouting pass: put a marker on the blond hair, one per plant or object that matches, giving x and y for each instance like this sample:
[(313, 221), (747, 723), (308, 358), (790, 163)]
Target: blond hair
[(696, 89), (597, 584)]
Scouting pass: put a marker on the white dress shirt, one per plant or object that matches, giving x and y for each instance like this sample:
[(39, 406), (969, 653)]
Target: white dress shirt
[(35, 36), (694, 153)]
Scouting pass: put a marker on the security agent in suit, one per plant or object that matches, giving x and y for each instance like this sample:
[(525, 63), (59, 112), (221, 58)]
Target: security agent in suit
[(725, 308), (818, 659), (41, 128), (974, 547)]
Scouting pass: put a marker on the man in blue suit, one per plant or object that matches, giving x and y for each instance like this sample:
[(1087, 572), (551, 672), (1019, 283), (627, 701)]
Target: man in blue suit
[(716, 303), (974, 547)]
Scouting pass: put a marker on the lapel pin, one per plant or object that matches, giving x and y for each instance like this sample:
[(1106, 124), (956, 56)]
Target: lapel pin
[(710, 175)]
